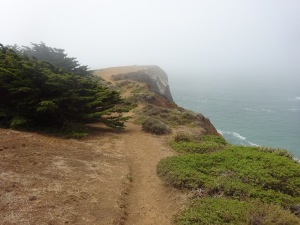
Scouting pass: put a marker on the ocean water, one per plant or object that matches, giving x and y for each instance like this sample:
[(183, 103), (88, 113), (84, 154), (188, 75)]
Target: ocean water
[(247, 112)]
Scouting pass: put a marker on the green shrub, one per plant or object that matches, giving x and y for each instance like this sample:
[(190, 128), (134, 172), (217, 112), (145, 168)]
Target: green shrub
[(192, 147), (155, 126), (213, 138), (151, 110), (240, 172), (17, 121), (183, 137), (278, 151), (214, 211), (229, 211), (187, 143)]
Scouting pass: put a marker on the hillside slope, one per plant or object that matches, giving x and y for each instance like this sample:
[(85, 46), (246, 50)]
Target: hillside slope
[(107, 178), (148, 86)]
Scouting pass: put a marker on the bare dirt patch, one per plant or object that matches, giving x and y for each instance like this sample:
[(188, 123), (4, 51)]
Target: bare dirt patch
[(47, 180), (108, 178), (149, 201)]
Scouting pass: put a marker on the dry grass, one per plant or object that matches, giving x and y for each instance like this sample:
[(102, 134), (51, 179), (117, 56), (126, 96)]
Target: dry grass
[(49, 180)]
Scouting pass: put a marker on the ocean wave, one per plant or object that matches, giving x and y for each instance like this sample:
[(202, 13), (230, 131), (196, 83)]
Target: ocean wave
[(253, 144), (296, 159), (297, 98), (236, 138)]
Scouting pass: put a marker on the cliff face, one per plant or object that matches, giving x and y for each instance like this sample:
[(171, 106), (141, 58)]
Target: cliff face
[(154, 76), (157, 81)]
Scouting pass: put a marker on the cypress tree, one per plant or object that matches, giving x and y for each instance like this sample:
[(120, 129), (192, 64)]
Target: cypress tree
[(34, 93)]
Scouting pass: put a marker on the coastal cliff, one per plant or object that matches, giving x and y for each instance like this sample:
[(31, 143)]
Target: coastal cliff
[(154, 76), (149, 85), (114, 172)]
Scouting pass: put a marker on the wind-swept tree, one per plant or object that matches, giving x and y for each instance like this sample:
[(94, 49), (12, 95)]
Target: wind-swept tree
[(34, 92), (55, 56)]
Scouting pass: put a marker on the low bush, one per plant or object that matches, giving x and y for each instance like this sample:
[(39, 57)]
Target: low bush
[(151, 110), (192, 147), (187, 143), (213, 138), (229, 211), (277, 151), (171, 117), (155, 126), (237, 171), (179, 137)]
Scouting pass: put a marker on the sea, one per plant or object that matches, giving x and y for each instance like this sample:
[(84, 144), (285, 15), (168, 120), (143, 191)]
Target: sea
[(253, 112)]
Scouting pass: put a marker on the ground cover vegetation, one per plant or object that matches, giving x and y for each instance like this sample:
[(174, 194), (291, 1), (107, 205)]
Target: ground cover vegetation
[(37, 94), (171, 116), (233, 184), (154, 118), (214, 210), (188, 143), (161, 120)]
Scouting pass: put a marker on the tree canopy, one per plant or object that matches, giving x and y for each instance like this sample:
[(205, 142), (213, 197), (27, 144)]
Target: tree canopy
[(55, 56), (34, 92)]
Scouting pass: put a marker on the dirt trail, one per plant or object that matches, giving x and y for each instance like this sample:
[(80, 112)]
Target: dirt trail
[(107, 179), (149, 200)]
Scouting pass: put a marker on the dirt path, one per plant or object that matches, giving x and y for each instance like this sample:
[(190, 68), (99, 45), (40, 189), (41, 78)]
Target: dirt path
[(149, 200), (107, 179)]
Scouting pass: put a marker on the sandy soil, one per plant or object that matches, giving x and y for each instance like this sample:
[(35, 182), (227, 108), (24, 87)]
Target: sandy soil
[(108, 178)]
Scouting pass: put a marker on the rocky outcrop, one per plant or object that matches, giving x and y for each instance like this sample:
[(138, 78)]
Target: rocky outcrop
[(154, 76)]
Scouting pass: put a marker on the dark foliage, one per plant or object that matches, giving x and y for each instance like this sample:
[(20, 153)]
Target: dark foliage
[(54, 56), (34, 92)]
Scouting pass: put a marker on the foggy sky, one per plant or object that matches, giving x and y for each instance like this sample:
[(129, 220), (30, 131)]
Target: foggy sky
[(229, 37)]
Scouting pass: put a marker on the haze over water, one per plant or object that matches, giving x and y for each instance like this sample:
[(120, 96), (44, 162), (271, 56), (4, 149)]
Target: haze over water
[(265, 112)]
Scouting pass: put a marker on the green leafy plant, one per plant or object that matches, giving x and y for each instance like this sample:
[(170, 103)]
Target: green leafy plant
[(230, 211), (192, 147), (239, 172), (278, 151), (187, 143)]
